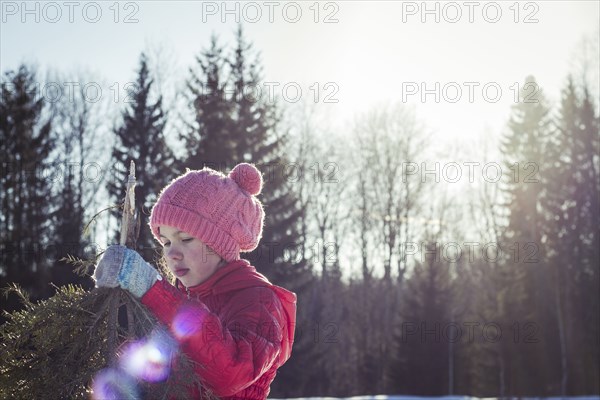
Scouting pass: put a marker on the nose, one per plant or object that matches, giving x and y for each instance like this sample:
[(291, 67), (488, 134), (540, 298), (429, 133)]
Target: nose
[(173, 253)]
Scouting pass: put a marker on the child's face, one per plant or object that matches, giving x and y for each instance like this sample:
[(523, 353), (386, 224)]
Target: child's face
[(188, 258)]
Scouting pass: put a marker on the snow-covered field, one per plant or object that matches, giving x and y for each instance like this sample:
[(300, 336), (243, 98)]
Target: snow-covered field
[(383, 397)]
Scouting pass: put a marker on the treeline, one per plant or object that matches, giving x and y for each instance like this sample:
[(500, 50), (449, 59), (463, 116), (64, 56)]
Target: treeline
[(395, 296)]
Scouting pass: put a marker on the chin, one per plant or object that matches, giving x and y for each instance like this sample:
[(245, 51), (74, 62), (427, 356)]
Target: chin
[(190, 282), (186, 282)]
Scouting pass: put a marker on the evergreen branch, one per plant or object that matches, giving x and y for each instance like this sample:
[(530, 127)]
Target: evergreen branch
[(14, 288), (71, 329), (82, 267)]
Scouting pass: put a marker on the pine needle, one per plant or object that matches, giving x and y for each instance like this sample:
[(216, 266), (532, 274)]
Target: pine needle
[(81, 267)]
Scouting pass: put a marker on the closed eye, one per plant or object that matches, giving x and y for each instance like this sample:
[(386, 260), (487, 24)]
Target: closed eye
[(187, 240)]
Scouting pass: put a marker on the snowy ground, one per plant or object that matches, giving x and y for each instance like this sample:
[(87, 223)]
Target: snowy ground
[(383, 397)]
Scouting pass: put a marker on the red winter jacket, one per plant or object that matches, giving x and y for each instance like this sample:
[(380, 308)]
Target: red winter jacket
[(237, 326)]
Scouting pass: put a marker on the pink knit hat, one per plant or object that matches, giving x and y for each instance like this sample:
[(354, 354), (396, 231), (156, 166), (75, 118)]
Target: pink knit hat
[(222, 211)]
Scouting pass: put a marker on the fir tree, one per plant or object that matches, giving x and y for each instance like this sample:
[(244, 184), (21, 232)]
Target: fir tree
[(209, 140), (69, 239), (570, 205), (523, 288), (559, 212), (588, 306), (232, 127), (75, 131), (426, 307), (141, 138), (421, 353), (73, 330), (26, 145), (260, 140)]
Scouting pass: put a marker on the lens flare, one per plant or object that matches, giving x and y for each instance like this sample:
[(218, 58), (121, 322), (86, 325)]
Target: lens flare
[(111, 384), (187, 322), (150, 359)]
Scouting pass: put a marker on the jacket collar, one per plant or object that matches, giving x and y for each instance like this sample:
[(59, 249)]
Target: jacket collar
[(239, 275), (235, 275)]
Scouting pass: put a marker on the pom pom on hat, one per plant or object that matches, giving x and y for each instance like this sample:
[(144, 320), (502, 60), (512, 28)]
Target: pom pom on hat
[(220, 210), (248, 178)]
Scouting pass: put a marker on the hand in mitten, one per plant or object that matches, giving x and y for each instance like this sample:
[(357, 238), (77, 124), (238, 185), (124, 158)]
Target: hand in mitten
[(124, 267)]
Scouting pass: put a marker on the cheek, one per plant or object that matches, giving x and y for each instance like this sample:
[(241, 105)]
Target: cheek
[(198, 254)]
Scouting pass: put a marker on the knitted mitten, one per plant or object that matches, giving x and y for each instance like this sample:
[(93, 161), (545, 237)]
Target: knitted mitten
[(124, 267)]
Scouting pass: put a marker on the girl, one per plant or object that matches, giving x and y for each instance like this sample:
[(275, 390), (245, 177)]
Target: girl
[(227, 317)]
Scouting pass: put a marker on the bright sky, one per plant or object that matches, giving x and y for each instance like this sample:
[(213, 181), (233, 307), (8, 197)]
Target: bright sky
[(356, 52)]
